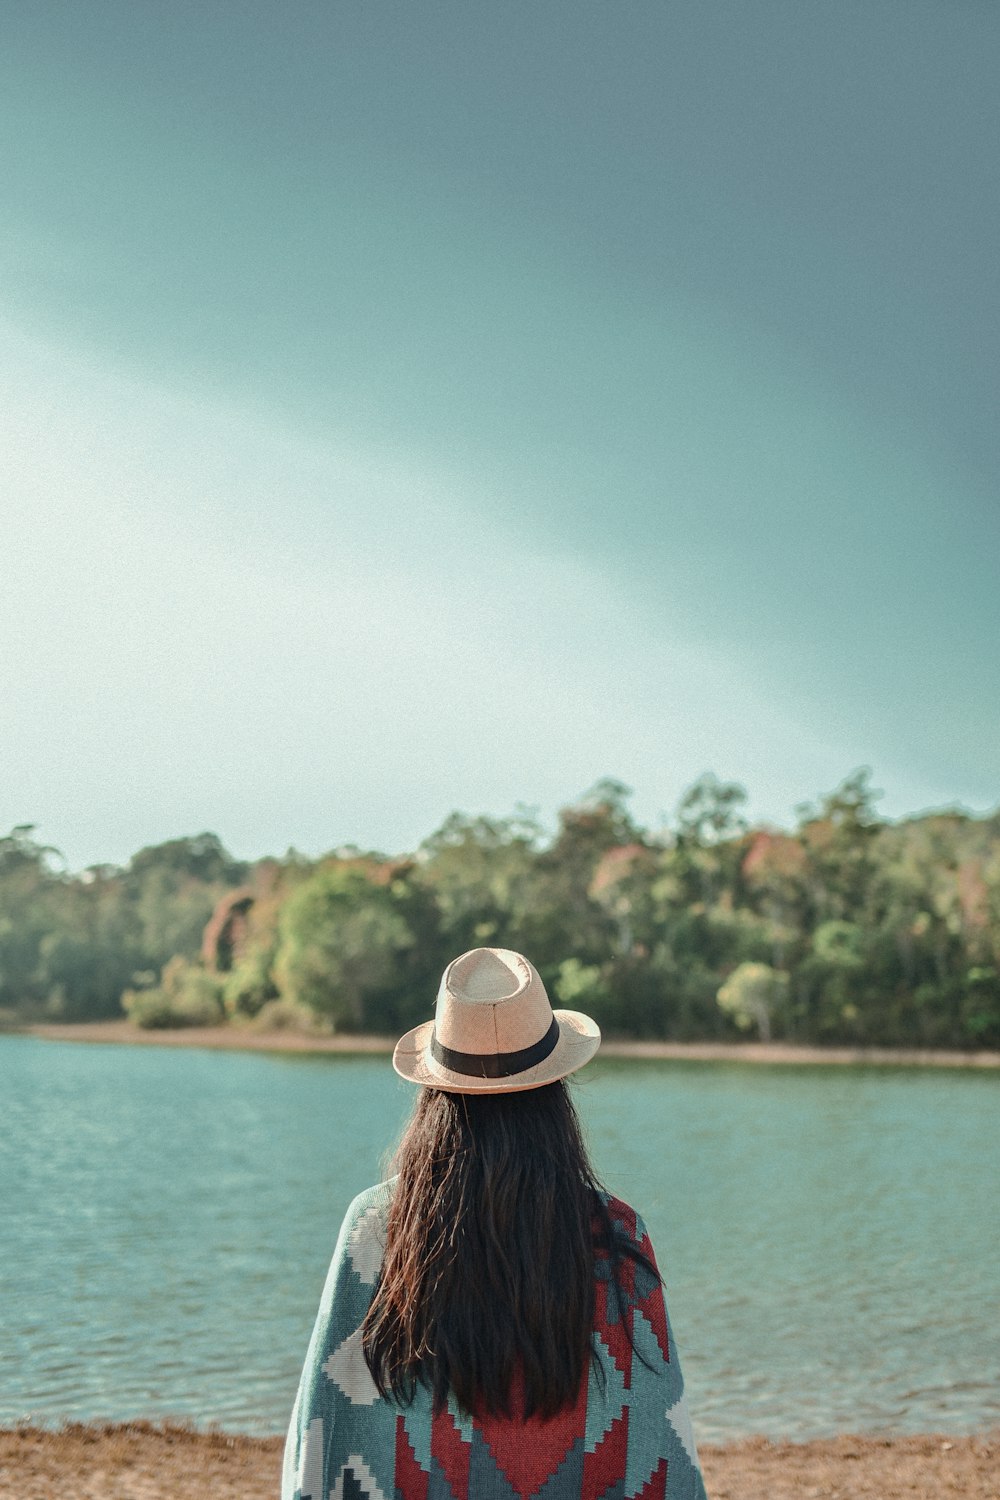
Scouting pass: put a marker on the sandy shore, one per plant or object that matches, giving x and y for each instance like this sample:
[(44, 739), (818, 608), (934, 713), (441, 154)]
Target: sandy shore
[(149, 1462), (244, 1038)]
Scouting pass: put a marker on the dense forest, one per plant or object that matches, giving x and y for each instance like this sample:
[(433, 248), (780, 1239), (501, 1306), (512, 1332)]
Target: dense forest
[(846, 929)]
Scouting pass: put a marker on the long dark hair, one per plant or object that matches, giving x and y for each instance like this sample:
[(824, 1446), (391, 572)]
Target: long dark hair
[(487, 1283)]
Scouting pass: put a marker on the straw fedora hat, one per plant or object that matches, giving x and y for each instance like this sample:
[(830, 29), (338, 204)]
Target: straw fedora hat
[(494, 1030)]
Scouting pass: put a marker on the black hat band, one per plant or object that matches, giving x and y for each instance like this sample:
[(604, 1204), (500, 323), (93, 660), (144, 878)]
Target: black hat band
[(495, 1064)]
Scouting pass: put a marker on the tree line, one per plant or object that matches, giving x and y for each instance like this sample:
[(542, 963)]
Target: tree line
[(847, 928)]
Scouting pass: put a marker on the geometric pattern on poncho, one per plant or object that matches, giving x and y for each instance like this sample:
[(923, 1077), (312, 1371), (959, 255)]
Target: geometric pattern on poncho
[(628, 1436)]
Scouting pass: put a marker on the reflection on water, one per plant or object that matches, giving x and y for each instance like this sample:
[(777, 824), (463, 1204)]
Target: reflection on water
[(826, 1235)]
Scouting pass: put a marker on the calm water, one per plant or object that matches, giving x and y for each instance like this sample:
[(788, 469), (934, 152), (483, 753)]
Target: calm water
[(828, 1236)]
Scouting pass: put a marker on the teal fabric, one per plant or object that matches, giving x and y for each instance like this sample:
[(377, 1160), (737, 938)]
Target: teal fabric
[(632, 1439)]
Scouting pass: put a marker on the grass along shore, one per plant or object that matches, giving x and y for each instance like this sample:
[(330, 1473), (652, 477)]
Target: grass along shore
[(247, 1038), (149, 1461)]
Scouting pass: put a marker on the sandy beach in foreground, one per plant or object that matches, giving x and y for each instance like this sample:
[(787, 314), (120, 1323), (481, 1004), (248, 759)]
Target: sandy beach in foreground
[(245, 1038), (145, 1461)]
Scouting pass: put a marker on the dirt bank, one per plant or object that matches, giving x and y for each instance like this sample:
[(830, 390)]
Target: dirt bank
[(148, 1462), (245, 1038)]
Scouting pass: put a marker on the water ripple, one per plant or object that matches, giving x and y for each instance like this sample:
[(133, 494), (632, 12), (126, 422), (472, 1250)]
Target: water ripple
[(826, 1236)]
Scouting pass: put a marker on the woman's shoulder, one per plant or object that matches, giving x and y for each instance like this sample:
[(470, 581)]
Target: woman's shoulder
[(367, 1216), (624, 1218), (375, 1200)]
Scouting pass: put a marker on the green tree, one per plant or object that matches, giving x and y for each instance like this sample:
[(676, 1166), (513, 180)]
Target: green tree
[(27, 888), (773, 873), (342, 935), (710, 812), (565, 918), (833, 976), (839, 836), (187, 995), (710, 828), (752, 995), (480, 873), (173, 888)]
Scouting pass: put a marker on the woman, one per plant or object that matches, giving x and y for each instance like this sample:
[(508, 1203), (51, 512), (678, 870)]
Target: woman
[(493, 1323)]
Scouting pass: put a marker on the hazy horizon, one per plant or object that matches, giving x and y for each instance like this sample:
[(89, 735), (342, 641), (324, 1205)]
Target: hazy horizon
[(656, 827)]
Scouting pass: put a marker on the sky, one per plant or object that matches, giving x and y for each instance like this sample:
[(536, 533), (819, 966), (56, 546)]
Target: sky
[(416, 408)]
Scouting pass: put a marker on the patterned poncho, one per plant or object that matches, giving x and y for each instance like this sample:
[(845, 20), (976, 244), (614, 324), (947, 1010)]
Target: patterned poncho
[(627, 1438)]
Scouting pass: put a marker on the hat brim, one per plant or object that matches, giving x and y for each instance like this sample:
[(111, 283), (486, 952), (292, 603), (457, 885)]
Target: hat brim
[(579, 1039)]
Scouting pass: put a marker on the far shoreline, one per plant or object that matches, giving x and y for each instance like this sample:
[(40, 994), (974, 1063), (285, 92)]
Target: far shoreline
[(246, 1039)]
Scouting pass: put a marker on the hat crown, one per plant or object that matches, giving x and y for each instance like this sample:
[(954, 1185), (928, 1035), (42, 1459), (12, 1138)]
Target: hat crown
[(487, 975), (491, 1001)]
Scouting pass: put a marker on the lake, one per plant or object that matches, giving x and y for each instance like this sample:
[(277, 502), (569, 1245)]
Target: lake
[(828, 1235)]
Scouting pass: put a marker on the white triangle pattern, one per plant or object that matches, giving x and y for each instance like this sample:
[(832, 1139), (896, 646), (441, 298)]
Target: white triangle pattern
[(680, 1420), (348, 1369), (362, 1474), (366, 1245), (309, 1479)]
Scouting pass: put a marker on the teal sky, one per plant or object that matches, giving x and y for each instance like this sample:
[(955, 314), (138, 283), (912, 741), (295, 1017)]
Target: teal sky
[(418, 407)]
